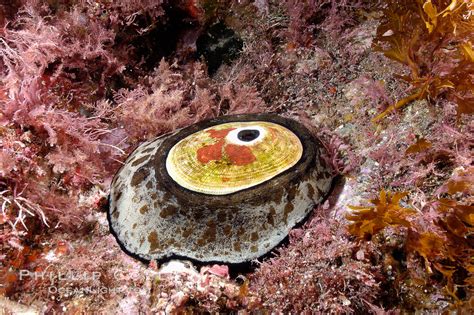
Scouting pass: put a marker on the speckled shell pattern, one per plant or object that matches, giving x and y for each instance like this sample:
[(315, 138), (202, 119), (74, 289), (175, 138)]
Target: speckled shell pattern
[(154, 218)]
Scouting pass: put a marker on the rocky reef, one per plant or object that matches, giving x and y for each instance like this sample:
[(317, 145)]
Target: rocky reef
[(387, 86)]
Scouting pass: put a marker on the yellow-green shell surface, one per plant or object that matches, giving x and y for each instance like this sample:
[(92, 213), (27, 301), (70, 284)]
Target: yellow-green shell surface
[(217, 161)]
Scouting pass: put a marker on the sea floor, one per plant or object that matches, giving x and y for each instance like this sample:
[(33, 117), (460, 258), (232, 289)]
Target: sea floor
[(334, 83)]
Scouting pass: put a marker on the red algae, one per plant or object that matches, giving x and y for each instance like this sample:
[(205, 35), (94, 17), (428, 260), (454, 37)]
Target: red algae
[(212, 152), (239, 154), (219, 134), (81, 85)]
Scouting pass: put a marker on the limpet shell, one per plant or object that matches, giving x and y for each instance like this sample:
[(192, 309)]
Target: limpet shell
[(223, 190), (233, 156)]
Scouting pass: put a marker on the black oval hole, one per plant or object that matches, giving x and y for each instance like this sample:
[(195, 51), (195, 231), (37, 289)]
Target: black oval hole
[(248, 135)]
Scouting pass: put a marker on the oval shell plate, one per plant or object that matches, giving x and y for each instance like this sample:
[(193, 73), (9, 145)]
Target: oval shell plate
[(215, 161)]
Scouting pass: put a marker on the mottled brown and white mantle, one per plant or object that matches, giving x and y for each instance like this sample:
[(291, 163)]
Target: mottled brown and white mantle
[(153, 217)]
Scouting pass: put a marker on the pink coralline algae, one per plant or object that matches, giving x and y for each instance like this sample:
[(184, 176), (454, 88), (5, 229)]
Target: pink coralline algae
[(385, 85)]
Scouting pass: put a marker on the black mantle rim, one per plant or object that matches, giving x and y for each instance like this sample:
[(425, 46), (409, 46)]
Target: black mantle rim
[(255, 194)]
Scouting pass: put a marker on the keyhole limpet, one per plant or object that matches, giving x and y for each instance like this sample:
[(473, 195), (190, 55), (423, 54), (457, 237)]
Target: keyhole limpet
[(223, 190)]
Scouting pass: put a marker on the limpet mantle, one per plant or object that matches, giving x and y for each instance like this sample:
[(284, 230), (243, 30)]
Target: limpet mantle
[(153, 217)]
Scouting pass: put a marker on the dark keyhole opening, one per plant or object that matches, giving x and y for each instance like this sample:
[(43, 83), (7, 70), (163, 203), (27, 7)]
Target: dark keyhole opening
[(248, 135)]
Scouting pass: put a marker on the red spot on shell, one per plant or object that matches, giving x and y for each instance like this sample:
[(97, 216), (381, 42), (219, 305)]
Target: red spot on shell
[(239, 154), (219, 134), (210, 152)]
